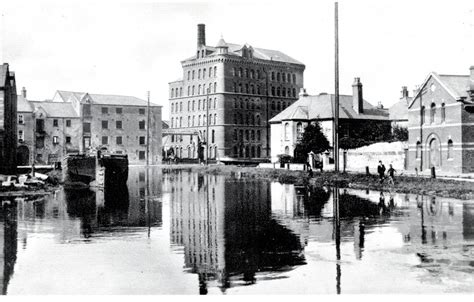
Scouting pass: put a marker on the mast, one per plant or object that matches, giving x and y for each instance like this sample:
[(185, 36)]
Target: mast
[(336, 94)]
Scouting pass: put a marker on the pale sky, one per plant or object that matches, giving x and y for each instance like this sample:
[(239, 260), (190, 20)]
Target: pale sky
[(129, 47)]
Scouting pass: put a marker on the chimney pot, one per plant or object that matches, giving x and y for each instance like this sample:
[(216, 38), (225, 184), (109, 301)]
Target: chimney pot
[(201, 35), (404, 92), (303, 92), (23, 92)]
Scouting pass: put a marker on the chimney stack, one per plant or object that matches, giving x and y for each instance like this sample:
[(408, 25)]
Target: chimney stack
[(303, 92), (23, 92), (201, 36), (357, 98), (404, 92)]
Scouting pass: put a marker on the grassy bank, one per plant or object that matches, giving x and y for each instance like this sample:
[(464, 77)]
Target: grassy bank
[(403, 184)]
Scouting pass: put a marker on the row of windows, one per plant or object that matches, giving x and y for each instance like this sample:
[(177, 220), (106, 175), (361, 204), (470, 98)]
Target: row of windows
[(192, 153), (118, 125), (201, 105), (255, 89), (247, 151), (200, 120), (275, 76), (433, 113), (40, 141), (21, 120), (202, 73), (119, 110), (248, 135), (119, 140), (449, 154), (246, 104), (249, 119)]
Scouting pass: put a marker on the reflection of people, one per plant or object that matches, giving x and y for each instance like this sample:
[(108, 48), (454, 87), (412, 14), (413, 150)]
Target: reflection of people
[(381, 171), (382, 203), (310, 171)]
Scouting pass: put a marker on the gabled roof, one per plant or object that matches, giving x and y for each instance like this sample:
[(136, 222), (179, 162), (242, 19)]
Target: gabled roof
[(105, 99), (320, 107), (56, 109), (456, 85)]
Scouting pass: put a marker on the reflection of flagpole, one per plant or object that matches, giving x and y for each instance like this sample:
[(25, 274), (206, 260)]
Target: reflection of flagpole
[(337, 231), (336, 95)]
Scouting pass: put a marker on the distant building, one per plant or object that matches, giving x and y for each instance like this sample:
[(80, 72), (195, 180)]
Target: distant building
[(243, 86), (8, 127), (287, 127), (398, 112), (78, 122), (441, 124)]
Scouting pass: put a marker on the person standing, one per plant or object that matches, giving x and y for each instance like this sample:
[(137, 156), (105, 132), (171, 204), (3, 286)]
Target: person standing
[(381, 171), (391, 175)]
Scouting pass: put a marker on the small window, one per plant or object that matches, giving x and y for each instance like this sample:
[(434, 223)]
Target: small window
[(118, 110), (287, 131), (141, 155), (141, 140), (55, 140), (418, 150), (118, 124), (443, 113), (55, 123), (68, 123), (21, 135), (141, 125), (105, 110), (141, 111), (118, 140), (86, 109), (68, 139), (105, 124), (86, 127), (21, 119), (105, 140)]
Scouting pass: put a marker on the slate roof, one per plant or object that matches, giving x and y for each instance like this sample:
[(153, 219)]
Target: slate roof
[(23, 105), (314, 107), (399, 110), (106, 99), (258, 53), (56, 109)]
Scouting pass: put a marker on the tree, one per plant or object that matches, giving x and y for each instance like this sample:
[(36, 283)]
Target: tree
[(400, 133), (358, 133), (313, 140)]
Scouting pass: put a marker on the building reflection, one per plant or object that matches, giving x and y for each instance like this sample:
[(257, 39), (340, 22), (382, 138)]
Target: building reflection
[(8, 242), (227, 230)]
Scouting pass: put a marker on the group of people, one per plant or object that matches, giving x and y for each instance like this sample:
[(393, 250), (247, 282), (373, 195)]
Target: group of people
[(381, 171)]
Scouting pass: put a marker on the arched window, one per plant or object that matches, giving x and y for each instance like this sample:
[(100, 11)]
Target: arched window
[(258, 120), (278, 77), (189, 152), (287, 131), (204, 120), (294, 79), (172, 92), (252, 74), (235, 118), (432, 113), (197, 54), (199, 105), (240, 72), (199, 73), (258, 74), (247, 151), (215, 87), (210, 72), (215, 71), (247, 104), (235, 151), (294, 92), (443, 113), (247, 137), (189, 90), (246, 72), (450, 149), (283, 77), (235, 103), (180, 106), (194, 103), (199, 89), (180, 91), (258, 89), (258, 135), (241, 104), (299, 131), (212, 136), (418, 150), (193, 75), (189, 105), (172, 121), (258, 152), (193, 90), (189, 121), (189, 75), (273, 76), (241, 135), (172, 107), (278, 91), (246, 88), (273, 105), (215, 118), (252, 89), (287, 150), (234, 72), (202, 53), (252, 135), (235, 135), (204, 89), (273, 91), (278, 106), (215, 103), (252, 151), (199, 120), (283, 91), (204, 73)]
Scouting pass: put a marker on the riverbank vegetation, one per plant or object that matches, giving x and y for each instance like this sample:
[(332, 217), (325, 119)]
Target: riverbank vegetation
[(403, 184)]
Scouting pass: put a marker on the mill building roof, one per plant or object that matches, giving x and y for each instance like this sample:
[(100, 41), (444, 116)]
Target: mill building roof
[(56, 109), (105, 99)]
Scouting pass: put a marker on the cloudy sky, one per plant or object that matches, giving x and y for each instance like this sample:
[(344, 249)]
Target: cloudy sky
[(129, 47)]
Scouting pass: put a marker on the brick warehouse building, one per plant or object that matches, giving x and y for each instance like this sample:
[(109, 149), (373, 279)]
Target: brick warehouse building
[(8, 127), (78, 122), (246, 86), (441, 124)]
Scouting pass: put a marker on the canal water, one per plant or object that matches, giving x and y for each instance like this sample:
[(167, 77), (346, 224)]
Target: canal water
[(185, 233)]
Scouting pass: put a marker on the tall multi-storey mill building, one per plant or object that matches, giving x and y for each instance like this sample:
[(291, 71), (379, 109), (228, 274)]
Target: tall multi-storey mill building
[(243, 86)]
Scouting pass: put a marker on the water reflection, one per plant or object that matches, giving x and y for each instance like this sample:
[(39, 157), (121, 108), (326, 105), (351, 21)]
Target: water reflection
[(237, 236), (227, 231)]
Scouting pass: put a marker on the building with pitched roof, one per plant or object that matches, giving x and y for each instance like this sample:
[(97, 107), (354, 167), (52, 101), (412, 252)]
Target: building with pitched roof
[(235, 89), (441, 124), (398, 112), (79, 122), (8, 125), (288, 126)]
